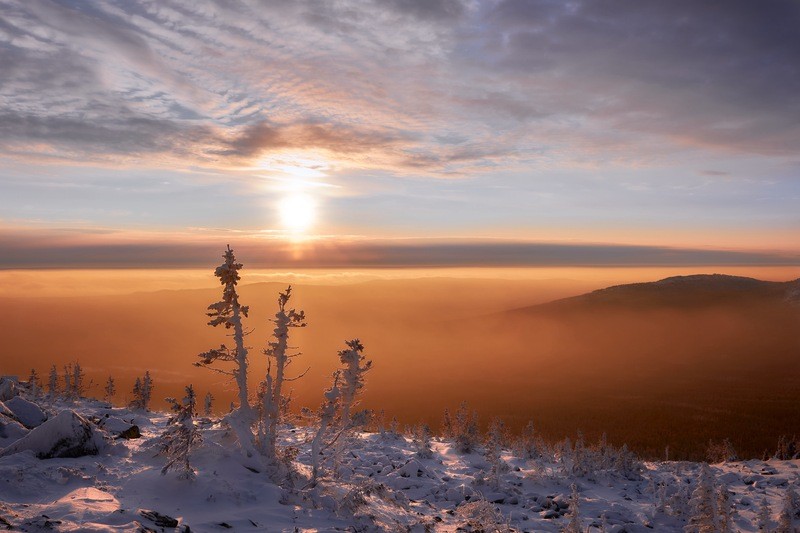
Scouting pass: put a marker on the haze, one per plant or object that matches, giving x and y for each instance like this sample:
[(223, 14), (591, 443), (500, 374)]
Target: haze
[(439, 337)]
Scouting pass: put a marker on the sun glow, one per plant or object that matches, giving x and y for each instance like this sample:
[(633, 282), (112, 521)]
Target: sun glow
[(297, 212)]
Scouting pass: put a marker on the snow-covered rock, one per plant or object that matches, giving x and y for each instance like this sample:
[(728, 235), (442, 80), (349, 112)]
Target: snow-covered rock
[(5, 411), (117, 427), (8, 389), (28, 413), (66, 435), (10, 430)]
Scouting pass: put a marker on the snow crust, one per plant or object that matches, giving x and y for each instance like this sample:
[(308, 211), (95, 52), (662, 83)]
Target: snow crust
[(378, 484)]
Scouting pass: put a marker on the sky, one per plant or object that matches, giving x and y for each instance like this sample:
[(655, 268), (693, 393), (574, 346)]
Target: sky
[(399, 132)]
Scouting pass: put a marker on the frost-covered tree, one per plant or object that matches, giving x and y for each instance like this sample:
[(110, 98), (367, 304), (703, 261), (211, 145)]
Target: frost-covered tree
[(110, 389), (142, 392), (660, 498), (788, 510), (679, 501), (147, 390), (78, 381), (447, 424), (355, 366), (720, 452), (465, 429), (277, 352), (208, 404), (581, 457), (763, 517), (68, 381), (229, 312), (181, 436), (34, 383), (327, 417), (574, 524), (52, 381), (74, 381), (702, 505), (422, 442), (724, 509), (136, 401), (492, 452), (626, 463), (527, 446)]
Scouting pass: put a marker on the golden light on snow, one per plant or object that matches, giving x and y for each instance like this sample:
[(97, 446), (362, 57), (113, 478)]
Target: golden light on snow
[(297, 212)]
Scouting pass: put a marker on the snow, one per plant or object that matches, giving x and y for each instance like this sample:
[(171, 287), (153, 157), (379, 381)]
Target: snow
[(26, 412), (381, 484), (66, 435)]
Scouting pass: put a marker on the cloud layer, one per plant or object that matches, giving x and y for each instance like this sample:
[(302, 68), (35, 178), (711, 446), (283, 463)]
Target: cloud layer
[(436, 85)]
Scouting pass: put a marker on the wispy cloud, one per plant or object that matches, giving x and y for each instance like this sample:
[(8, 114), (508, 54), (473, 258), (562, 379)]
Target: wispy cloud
[(403, 79)]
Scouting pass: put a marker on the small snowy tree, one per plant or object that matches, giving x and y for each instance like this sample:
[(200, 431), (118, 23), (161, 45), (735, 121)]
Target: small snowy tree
[(788, 511), (68, 391), (422, 442), (763, 517), (229, 312), (724, 509), (34, 383), (78, 378), (277, 351), (574, 524), (720, 452), (208, 403), (702, 505), (327, 416), (52, 382), (447, 424), (181, 436), (465, 429), (110, 389), (146, 390), (355, 367), (136, 402), (493, 450), (526, 446)]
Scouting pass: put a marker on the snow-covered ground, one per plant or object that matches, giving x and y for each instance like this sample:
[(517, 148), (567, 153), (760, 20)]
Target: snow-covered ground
[(378, 483)]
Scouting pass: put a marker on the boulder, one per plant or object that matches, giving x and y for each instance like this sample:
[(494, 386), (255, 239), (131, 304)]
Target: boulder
[(10, 430), (28, 413), (119, 428), (130, 433), (8, 389), (66, 435)]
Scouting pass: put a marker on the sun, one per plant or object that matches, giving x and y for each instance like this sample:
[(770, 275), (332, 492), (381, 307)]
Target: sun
[(297, 212)]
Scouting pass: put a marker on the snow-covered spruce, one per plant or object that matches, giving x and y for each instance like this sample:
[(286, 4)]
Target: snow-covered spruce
[(229, 312), (354, 368), (273, 403), (181, 436)]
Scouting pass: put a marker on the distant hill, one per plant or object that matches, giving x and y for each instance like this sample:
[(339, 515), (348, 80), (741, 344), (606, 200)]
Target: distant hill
[(695, 291)]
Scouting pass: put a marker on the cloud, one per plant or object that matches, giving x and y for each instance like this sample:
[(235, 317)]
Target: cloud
[(719, 75), (342, 139), (96, 249), (435, 88)]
